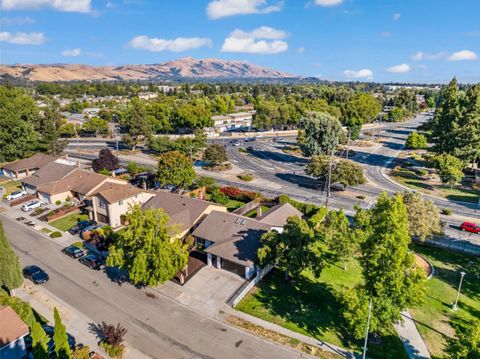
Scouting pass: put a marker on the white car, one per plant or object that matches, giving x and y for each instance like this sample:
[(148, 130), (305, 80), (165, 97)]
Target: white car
[(31, 205), (16, 194)]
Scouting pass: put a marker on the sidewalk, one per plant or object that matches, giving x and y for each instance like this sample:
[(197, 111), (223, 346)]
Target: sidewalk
[(289, 333), (76, 323), (411, 338)]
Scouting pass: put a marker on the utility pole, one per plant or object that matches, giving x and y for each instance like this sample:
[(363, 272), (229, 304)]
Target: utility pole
[(348, 141), (328, 177), (368, 327)]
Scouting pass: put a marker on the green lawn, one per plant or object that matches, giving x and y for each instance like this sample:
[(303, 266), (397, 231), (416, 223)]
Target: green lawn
[(412, 180), (310, 307), (65, 223), (9, 185), (435, 317), (233, 204), (253, 212)]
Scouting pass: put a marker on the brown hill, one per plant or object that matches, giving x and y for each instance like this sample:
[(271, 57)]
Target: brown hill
[(187, 67)]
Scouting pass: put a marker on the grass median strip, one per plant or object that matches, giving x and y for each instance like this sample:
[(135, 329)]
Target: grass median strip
[(281, 339)]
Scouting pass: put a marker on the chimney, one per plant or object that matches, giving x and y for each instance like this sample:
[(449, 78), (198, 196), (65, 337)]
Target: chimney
[(259, 211)]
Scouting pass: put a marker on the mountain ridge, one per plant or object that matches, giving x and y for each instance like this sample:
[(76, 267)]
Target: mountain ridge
[(187, 67)]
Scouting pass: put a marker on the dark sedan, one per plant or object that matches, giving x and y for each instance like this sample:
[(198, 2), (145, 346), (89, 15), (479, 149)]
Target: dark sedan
[(92, 261), (73, 251), (35, 274), (76, 229)]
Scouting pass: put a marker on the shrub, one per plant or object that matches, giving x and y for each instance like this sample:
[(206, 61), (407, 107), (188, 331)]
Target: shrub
[(112, 337), (55, 234), (306, 208), (214, 195), (239, 194), (422, 172), (68, 199), (105, 172), (416, 141), (247, 177), (112, 351), (78, 244), (51, 213), (58, 202), (447, 211)]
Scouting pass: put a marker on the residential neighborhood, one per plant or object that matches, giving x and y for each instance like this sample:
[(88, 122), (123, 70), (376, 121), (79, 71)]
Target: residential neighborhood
[(268, 179)]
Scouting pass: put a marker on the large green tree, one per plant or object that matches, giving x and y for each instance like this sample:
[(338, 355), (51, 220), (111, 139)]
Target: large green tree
[(18, 119), (343, 171), (50, 127), (322, 134), (467, 132), (136, 122), (294, 250), (10, 270), (60, 337), (339, 236), (467, 343), (362, 106), (423, 216), (391, 280), (148, 248), (215, 154), (174, 168), (446, 117), (449, 169)]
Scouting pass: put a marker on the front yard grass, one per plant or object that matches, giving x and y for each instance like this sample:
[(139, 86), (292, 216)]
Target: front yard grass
[(233, 204), (310, 306), (65, 223), (9, 185), (434, 318)]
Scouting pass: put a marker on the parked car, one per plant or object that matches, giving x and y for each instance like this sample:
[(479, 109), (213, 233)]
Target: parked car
[(30, 206), (35, 274), (237, 144), (16, 194), (76, 229), (250, 149), (31, 223), (92, 261), (20, 219), (470, 227), (73, 251)]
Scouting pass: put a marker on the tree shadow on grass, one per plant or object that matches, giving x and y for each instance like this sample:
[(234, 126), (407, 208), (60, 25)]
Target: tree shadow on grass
[(308, 305)]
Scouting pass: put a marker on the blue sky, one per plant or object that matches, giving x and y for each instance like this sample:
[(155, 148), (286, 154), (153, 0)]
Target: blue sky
[(382, 40)]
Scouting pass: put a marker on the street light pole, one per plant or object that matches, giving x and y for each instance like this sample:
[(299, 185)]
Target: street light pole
[(455, 307), (368, 327), (328, 178)]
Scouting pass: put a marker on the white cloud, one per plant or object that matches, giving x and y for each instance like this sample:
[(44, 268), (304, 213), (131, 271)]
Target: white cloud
[(301, 50), (420, 55), (176, 45), (83, 6), (72, 52), (399, 69), (359, 74), (222, 8), (463, 55), (18, 20), (263, 40), (328, 2), (397, 16), (23, 38)]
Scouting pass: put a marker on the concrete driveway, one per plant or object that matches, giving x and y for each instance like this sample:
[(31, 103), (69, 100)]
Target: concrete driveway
[(207, 292)]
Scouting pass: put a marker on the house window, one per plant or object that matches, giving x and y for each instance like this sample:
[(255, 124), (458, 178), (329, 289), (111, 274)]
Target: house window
[(102, 204), (120, 203)]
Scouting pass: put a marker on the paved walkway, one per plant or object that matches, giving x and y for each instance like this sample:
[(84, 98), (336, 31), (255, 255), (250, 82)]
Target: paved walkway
[(411, 338), (76, 323), (289, 333)]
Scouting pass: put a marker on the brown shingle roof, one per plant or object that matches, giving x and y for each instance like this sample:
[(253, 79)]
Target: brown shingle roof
[(79, 181), (51, 172), (11, 326), (235, 238), (36, 161), (183, 211), (114, 192), (277, 216)]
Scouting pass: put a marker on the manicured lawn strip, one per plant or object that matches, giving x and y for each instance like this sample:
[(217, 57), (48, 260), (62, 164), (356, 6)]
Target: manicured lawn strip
[(413, 181), (435, 317), (65, 223), (253, 212), (233, 204), (10, 186), (310, 307)]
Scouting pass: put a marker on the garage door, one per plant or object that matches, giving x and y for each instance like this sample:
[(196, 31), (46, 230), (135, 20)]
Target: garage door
[(233, 267)]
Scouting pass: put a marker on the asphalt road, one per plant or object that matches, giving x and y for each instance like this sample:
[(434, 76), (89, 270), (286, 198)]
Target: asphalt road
[(157, 326)]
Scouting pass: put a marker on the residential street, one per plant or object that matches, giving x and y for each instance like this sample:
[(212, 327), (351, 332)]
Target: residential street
[(157, 326)]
